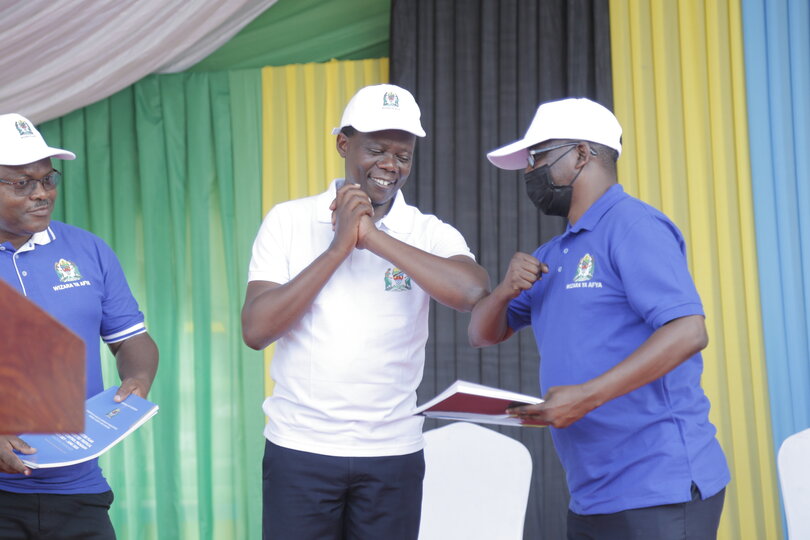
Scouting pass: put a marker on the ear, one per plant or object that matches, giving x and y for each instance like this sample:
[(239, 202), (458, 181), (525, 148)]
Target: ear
[(342, 144), (584, 153)]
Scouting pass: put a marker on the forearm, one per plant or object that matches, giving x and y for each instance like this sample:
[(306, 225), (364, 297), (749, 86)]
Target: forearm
[(488, 323), (270, 310), (457, 282), (663, 351), (137, 360)]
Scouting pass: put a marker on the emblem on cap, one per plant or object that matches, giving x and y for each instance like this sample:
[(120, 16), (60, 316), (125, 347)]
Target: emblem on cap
[(23, 128), (67, 271), (390, 101), (397, 280), (585, 268)]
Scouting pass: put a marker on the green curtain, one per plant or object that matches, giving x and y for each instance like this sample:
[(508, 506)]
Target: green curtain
[(302, 31), (169, 174)]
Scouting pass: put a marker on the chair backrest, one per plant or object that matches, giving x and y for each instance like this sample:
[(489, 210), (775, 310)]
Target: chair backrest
[(793, 462), (476, 484)]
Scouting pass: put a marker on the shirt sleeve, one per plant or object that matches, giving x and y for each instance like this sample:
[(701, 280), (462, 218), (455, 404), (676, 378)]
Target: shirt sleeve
[(651, 260), (270, 260), (448, 241), (120, 316)]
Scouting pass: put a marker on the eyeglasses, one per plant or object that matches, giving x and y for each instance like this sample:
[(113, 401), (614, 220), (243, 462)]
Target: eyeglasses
[(24, 188), (537, 151)]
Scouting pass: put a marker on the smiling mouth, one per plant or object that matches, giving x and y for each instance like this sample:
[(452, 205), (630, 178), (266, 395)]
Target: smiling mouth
[(383, 183)]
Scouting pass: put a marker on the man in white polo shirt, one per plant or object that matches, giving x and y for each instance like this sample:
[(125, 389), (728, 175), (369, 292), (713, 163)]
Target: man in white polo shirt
[(342, 282)]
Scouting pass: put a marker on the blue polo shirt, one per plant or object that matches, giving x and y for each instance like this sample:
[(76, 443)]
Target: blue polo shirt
[(75, 277), (615, 277)]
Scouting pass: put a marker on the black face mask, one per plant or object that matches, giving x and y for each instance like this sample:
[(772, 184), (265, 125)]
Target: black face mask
[(549, 198)]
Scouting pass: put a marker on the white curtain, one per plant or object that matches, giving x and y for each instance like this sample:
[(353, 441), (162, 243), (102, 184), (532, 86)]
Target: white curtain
[(60, 55)]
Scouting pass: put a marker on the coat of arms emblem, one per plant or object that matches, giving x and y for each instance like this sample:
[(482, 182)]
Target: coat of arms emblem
[(397, 280), (67, 271), (390, 99), (585, 268), (23, 128)]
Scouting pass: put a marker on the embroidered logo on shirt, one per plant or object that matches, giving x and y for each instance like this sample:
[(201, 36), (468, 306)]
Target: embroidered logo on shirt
[(67, 271), (397, 280), (390, 100), (584, 275), (585, 268)]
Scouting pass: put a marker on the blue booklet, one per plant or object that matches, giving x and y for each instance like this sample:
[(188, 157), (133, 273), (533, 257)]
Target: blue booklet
[(106, 424)]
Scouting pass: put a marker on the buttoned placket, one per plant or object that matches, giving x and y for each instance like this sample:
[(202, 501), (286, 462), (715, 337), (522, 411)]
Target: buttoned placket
[(15, 257)]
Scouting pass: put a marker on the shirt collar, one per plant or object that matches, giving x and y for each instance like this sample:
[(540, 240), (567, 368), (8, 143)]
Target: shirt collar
[(592, 215), (397, 219), (43, 237), (38, 239)]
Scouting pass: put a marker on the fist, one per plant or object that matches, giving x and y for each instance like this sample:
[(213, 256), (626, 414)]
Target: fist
[(524, 270)]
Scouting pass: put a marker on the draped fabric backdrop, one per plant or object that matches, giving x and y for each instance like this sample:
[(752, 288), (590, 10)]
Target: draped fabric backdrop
[(303, 31), (777, 55), (168, 174), (59, 56), (679, 87), (478, 70)]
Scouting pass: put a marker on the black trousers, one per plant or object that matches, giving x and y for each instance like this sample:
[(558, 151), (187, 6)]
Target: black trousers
[(697, 519), (45, 516), (315, 497)]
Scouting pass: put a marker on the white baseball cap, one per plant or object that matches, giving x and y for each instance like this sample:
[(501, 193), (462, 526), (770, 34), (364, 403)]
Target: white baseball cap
[(576, 119), (21, 143), (380, 107)]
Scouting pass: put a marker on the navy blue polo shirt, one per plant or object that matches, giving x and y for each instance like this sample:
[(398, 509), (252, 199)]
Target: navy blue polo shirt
[(615, 277), (75, 277)]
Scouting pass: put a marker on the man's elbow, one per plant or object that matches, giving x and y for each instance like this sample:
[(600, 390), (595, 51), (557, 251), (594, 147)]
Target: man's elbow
[(702, 338), (251, 342), (476, 341), (253, 338), (698, 336), (472, 297), (481, 336)]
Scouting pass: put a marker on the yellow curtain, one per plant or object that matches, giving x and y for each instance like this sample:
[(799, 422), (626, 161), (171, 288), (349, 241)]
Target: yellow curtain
[(300, 105), (679, 91)]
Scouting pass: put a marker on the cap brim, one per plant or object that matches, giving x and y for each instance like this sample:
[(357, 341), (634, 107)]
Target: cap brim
[(32, 157), (511, 157), (60, 153), (415, 130)]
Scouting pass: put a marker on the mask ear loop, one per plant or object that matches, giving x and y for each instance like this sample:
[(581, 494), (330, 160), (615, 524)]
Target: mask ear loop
[(591, 150)]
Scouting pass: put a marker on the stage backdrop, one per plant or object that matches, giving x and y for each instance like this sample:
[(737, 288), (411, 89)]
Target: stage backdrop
[(679, 83), (777, 77), (167, 172), (479, 68), (679, 89)]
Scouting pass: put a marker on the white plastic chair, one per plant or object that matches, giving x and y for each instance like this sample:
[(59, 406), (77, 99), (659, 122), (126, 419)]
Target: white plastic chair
[(476, 484), (793, 462)]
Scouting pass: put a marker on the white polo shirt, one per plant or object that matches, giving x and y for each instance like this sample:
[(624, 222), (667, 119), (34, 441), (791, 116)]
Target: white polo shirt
[(346, 374)]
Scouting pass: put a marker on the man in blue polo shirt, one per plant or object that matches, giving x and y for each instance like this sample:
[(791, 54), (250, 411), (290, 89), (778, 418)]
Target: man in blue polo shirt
[(74, 276), (619, 326)]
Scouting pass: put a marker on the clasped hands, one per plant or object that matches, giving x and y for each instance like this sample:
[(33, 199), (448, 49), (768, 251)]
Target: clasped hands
[(352, 217)]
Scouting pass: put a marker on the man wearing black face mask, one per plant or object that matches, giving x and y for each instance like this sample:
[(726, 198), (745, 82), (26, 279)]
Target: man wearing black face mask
[(619, 326)]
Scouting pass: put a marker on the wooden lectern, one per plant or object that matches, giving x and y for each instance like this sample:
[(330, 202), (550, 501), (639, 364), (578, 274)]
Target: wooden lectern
[(42, 379)]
